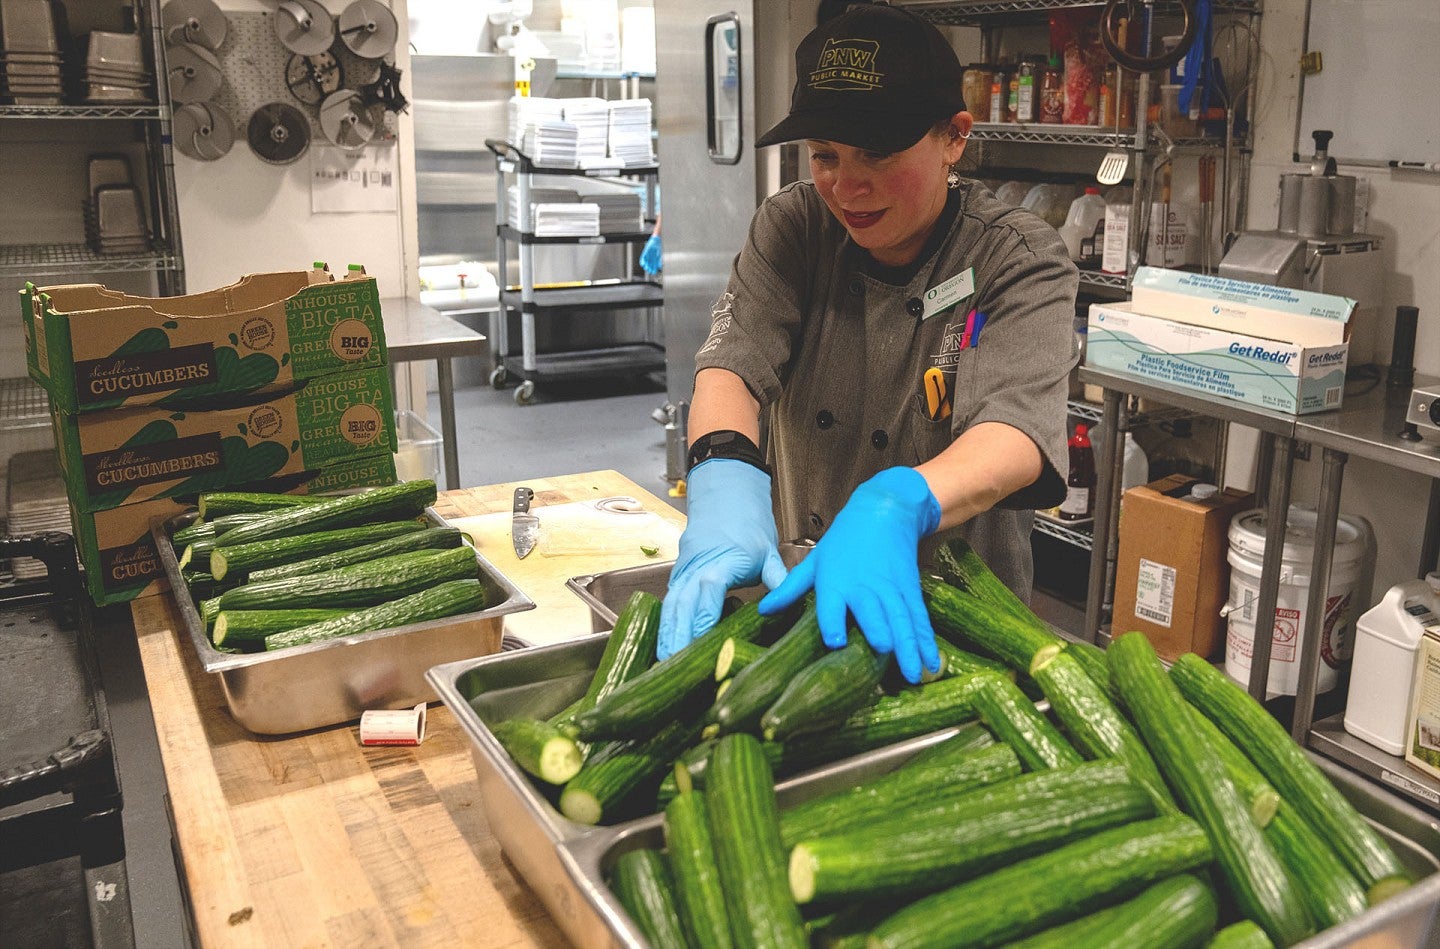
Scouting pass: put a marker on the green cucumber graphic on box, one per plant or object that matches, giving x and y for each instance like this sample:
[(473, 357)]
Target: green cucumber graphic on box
[(131, 455)]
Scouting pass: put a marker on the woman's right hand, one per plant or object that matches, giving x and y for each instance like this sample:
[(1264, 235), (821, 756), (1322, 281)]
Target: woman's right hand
[(729, 541)]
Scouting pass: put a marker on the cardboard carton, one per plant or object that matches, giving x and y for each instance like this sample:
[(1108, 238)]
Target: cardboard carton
[(95, 349), (1268, 373), (126, 455), (1303, 317), (1422, 744), (1171, 577)]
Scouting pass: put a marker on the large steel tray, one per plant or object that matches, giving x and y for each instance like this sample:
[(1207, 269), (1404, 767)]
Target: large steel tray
[(565, 863), (334, 681)]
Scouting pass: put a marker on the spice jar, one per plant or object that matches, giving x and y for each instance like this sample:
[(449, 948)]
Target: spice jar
[(1028, 79), (999, 93), (1052, 94)]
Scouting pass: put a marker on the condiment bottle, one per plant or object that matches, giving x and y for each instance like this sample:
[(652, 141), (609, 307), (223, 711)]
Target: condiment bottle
[(1079, 502), (1052, 94)]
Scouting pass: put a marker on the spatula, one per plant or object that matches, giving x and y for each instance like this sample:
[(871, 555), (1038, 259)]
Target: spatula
[(1112, 167)]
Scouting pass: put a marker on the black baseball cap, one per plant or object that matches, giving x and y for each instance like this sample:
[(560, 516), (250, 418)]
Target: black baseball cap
[(875, 77)]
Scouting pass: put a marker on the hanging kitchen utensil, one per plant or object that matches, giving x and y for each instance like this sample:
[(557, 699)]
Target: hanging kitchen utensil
[(311, 78), (194, 21), (369, 29), (1113, 167), (203, 131), (278, 133), (193, 73), (304, 26), (347, 121)]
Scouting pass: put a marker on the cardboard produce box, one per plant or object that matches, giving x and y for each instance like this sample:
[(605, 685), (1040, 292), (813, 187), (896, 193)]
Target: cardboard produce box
[(1171, 577), (95, 349), (127, 455)]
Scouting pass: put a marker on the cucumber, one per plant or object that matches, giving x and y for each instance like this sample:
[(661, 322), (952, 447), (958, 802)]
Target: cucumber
[(1245, 722), (1254, 789), (1242, 935), (1178, 913), (1092, 659), (697, 879), (735, 655), (826, 691), (243, 558), (602, 791), (965, 619), (235, 627), (758, 685), (209, 611), (955, 661), (1331, 892), (392, 503), (652, 698), (959, 564), (539, 748), (628, 652), (1097, 726), (197, 552), (912, 852), (213, 504), (740, 793), (1013, 718), (364, 584), (199, 529), (913, 783), (425, 538), (641, 881), (1252, 871), (1041, 891), (445, 598)]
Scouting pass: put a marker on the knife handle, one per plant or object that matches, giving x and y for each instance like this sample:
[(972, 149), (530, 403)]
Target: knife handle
[(522, 499)]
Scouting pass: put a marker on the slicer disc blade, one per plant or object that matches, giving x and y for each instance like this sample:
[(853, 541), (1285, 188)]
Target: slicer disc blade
[(311, 78), (304, 26), (194, 21), (369, 29), (347, 121), (278, 133), (203, 131), (193, 73)]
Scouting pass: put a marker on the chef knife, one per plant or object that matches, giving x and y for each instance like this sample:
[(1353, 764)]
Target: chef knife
[(524, 526)]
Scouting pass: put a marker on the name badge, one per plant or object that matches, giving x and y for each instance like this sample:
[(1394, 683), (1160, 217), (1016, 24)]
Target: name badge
[(943, 296)]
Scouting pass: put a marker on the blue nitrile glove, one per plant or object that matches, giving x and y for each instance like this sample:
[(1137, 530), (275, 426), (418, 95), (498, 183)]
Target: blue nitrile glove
[(867, 562), (729, 541), (650, 256)]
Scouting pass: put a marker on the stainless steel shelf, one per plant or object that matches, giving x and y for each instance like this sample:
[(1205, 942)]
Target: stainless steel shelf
[(35, 260), (1070, 535), (977, 12), (1110, 283), (143, 110), (1047, 134), (22, 405), (1329, 738)]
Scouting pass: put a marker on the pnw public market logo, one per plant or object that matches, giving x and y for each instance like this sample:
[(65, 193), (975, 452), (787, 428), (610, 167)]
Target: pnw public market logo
[(847, 65)]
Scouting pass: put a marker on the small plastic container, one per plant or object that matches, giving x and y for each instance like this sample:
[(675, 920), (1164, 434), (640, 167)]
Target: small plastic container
[(1382, 679), (418, 448)]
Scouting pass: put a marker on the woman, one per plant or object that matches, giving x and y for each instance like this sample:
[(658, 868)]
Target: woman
[(911, 339)]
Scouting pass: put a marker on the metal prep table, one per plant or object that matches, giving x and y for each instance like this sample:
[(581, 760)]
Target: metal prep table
[(414, 331), (1367, 425)]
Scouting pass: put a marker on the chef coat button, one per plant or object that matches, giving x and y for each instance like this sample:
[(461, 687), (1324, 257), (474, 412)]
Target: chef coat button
[(879, 439), (914, 307), (815, 521), (856, 287), (824, 419)]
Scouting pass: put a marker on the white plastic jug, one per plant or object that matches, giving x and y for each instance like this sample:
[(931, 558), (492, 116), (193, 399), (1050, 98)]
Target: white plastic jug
[(1349, 565), (1083, 231), (1049, 202), (1382, 680)]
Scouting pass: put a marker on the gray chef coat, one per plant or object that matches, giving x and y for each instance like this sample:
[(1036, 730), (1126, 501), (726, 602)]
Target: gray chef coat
[(837, 355)]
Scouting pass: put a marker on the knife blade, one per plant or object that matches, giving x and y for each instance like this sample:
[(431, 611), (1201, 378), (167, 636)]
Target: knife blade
[(524, 526)]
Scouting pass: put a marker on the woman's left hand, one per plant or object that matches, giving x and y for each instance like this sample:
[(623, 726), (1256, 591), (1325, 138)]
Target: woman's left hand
[(867, 564)]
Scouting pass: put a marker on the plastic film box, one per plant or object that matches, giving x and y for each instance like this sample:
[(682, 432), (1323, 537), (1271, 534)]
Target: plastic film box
[(92, 348)]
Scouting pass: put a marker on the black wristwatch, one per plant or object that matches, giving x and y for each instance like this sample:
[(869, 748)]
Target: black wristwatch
[(725, 443)]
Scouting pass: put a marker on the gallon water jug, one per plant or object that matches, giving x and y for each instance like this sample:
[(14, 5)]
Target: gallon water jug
[(1083, 230), (1382, 679)]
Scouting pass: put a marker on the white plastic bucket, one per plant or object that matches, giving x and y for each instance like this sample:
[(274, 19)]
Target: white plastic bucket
[(1348, 567)]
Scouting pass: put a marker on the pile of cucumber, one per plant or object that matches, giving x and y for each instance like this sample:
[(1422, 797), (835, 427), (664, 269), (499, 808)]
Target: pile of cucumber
[(271, 571), (1148, 808)]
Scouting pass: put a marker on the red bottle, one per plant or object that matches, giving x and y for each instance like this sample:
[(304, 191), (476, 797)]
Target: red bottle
[(1079, 502)]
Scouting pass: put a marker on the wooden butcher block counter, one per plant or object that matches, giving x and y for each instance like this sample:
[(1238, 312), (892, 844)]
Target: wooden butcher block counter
[(314, 840)]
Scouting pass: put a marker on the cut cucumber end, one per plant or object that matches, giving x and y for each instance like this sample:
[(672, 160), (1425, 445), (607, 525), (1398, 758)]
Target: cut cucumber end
[(724, 660), (1386, 888), (1044, 656), (684, 783), (560, 757), (710, 731), (580, 806), (218, 566), (221, 629), (1264, 806), (802, 874), (187, 556), (723, 687)]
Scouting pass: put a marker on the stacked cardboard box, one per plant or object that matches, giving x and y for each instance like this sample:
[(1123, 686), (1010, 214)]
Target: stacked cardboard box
[(278, 382)]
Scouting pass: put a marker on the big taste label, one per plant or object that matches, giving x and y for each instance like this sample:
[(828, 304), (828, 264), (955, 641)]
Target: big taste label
[(336, 322)]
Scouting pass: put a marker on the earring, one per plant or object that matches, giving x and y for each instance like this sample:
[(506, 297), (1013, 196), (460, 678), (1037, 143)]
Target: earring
[(952, 180)]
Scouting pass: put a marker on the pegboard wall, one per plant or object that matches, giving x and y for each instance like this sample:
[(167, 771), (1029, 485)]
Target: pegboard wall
[(254, 63)]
